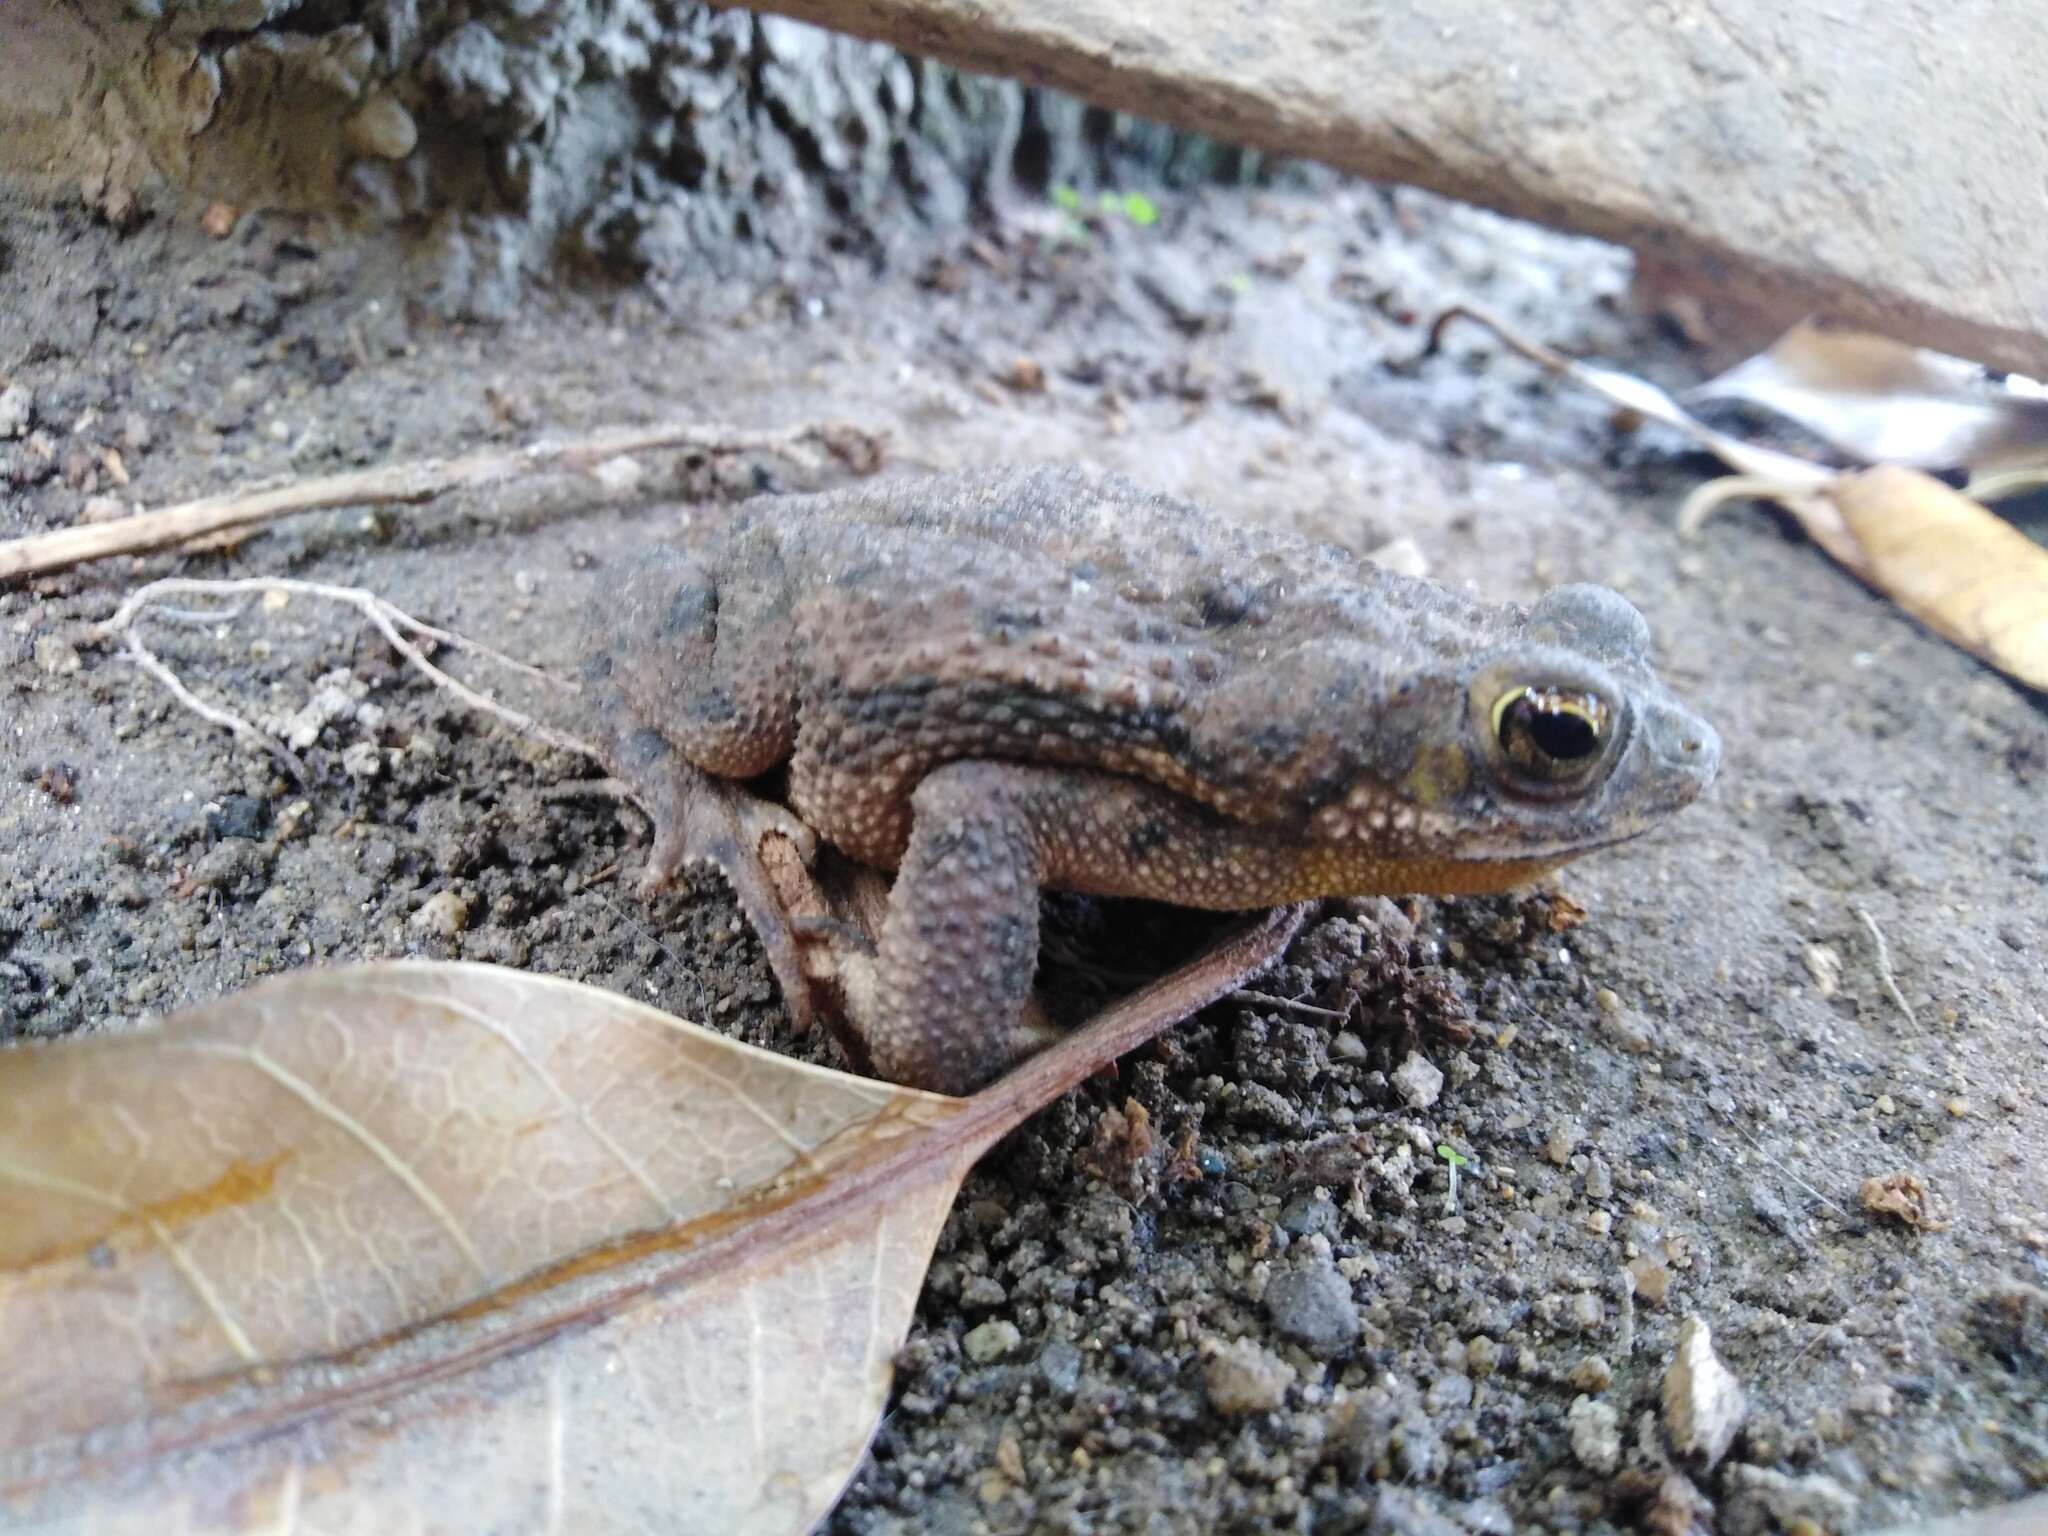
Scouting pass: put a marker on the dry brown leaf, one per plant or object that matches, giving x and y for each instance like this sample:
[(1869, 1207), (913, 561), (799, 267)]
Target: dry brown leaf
[(1888, 403), (1965, 573), (1905, 1198), (451, 1248)]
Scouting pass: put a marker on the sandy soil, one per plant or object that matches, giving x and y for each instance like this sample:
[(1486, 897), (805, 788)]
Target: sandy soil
[(1667, 1107)]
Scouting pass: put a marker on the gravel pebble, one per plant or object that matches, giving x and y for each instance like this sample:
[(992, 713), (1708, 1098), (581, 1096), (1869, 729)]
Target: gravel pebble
[(1242, 1377), (990, 1341), (1417, 1081), (1593, 1375), (443, 914), (17, 410), (1704, 1404), (1596, 1434), (1312, 1305)]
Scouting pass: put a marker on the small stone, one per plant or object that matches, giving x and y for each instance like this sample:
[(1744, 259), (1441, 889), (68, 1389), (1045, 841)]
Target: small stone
[(381, 129), (57, 657), (983, 1293), (362, 760), (525, 583), (17, 410), (1312, 1305), (1417, 1081), (990, 1341), (219, 219), (1599, 1178), (1593, 1375), (1482, 1357), (1704, 1404), (1812, 1505), (1887, 1105), (1402, 556), (294, 820), (1448, 1392), (1242, 1377), (1026, 376), (1651, 1279), (1562, 1141), (238, 816), (1585, 1312), (1824, 965), (1596, 1434), (1059, 1366), (443, 915)]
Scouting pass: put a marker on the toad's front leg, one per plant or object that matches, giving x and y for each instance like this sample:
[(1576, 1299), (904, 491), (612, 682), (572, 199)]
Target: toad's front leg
[(942, 1004)]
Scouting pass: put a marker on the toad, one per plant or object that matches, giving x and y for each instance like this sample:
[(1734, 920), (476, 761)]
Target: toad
[(1000, 682)]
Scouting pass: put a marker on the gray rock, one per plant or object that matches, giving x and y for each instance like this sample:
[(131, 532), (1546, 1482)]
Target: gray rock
[(17, 410), (1704, 1404), (1596, 1434), (1417, 1081), (1311, 1304), (1242, 1377)]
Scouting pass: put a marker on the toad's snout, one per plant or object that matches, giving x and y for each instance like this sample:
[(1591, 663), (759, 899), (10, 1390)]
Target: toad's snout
[(1685, 753)]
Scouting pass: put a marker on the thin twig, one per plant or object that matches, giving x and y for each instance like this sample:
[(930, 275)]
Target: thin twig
[(588, 789), (1884, 965), (1267, 1000), (419, 481), (390, 621)]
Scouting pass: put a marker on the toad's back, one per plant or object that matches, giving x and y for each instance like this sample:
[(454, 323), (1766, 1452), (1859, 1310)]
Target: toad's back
[(1044, 617)]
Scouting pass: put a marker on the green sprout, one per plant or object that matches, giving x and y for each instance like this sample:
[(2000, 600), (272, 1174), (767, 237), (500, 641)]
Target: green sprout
[(1135, 206)]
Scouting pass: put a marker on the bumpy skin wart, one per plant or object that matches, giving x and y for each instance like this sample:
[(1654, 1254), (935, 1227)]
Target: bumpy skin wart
[(1002, 682)]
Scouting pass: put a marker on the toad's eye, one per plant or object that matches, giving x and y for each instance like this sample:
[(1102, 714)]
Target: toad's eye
[(1552, 736)]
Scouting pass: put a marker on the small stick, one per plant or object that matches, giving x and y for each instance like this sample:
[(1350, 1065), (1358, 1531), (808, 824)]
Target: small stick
[(419, 481), (1884, 965), (1268, 1000)]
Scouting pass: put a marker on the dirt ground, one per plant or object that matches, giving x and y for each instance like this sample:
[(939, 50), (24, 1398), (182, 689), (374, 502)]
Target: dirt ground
[(1667, 1108)]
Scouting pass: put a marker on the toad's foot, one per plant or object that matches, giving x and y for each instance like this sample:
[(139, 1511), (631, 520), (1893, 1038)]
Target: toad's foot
[(701, 819)]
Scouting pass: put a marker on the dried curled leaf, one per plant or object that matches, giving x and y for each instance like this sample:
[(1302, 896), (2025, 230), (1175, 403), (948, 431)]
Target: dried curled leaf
[(1888, 403), (416, 1247), (1965, 573)]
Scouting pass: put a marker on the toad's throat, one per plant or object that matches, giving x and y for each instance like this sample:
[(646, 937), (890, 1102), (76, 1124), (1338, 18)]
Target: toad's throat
[(1234, 884)]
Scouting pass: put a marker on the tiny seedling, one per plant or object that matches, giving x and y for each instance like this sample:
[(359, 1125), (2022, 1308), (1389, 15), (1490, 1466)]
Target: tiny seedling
[(1134, 206), (1456, 1160)]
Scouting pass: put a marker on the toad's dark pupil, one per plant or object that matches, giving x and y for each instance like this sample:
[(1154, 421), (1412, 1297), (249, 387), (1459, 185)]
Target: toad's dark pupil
[(1552, 734), (1566, 737)]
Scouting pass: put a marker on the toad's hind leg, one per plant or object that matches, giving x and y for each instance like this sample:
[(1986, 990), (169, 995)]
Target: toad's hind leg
[(689, 679), (942, 1005)]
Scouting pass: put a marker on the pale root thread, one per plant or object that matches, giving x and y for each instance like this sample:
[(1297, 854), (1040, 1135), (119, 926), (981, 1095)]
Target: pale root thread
[(314, 1100), (202, 1288), (597, 1133)]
